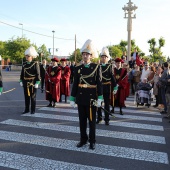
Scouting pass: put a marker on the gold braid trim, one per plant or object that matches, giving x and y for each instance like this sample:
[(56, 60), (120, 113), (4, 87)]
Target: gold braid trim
[(87, 76), (107, 79), (25, 69)]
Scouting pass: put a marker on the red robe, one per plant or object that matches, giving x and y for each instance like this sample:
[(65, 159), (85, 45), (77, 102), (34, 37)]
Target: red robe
[(122, 81), (65, 81), (139, 61), (53, 85)]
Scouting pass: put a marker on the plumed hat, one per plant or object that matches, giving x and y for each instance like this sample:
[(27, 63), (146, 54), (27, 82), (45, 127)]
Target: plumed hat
[(105, 52), (119, 60), (63, 59), (55, 59), (31, 52), (88, 47)]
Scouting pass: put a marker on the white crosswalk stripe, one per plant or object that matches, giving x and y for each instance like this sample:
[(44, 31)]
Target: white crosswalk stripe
[(105, 133), (20, 161), (114, 123), (43, 119), (116, 109), (115, 151)]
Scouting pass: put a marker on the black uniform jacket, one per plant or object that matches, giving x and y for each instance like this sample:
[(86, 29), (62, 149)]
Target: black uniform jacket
[(1, 80), (107, 76), (43, 70), (30, 70), (90, 76)]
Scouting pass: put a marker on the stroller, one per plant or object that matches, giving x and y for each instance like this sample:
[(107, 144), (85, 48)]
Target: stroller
[(143, 94)]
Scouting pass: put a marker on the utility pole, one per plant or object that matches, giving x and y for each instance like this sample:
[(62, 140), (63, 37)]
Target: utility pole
[(129, 15), (53, 42), (75, 53)]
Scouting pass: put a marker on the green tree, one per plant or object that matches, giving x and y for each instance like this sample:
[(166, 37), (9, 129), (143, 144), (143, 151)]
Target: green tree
[(115, 51), (155, 51), (78, 56), (3, 52), (43, 53), (15, 49)]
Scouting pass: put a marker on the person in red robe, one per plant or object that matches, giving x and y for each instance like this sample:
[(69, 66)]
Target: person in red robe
[(139, 61), (65, 80), (52, 78), (120, 75)]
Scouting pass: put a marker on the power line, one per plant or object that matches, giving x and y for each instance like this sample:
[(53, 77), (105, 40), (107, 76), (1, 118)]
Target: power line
[(36, 32)]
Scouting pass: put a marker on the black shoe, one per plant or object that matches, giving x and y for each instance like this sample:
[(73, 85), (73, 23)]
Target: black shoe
[(121, 113), (155, 105), (167, 117), (26, 111), (32, 112), (106, 122), (50, 105), (142, 104), (98, 121), (112, 111), (92, 146), (163, 112), (80, 144)]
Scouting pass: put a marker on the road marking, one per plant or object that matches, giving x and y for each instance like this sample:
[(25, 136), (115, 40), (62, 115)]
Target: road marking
[(19, 161), (136, 111), (107, 150), (112, 122), (73, 129)]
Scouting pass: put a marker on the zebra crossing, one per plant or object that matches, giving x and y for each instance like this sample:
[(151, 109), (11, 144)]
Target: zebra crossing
[(133, 136)]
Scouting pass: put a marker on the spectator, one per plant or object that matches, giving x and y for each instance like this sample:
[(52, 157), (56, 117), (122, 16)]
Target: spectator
[(162, 82), (10, 64), (145, 71), (134, 54), (136, 76)]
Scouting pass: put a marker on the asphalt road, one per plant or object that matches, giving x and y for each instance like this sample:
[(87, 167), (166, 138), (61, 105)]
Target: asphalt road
[(138, 140)]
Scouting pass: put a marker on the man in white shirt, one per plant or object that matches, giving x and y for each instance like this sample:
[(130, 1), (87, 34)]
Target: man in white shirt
[(145, 71)]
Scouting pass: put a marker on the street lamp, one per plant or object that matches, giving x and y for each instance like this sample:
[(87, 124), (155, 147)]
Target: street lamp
[(129, 15), (22, 38), (22, 28), (53, 42)]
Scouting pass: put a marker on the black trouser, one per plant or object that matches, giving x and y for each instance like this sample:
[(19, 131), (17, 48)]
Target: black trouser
[(132, 86), (106, 97), (84, 114), (42, 83), (31, 97)]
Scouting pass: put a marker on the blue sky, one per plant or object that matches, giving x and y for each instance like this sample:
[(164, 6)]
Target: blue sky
[(99, 20)]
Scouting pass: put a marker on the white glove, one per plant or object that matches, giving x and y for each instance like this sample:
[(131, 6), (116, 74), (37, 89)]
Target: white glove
[(36, 86), (99, 102), (114, 91), (21, 84), (73, 104), (0, 93)]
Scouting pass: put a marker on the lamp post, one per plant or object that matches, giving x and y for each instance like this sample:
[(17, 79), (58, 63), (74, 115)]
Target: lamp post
[(22, 38), (22, 28), (53, 42), (129, 15)]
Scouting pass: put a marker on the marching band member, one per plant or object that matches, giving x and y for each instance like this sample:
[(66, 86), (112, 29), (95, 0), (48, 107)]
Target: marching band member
[(87, 86), (30, 79), (53, 76), (120, 75), (65, 80), (108, 81)]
